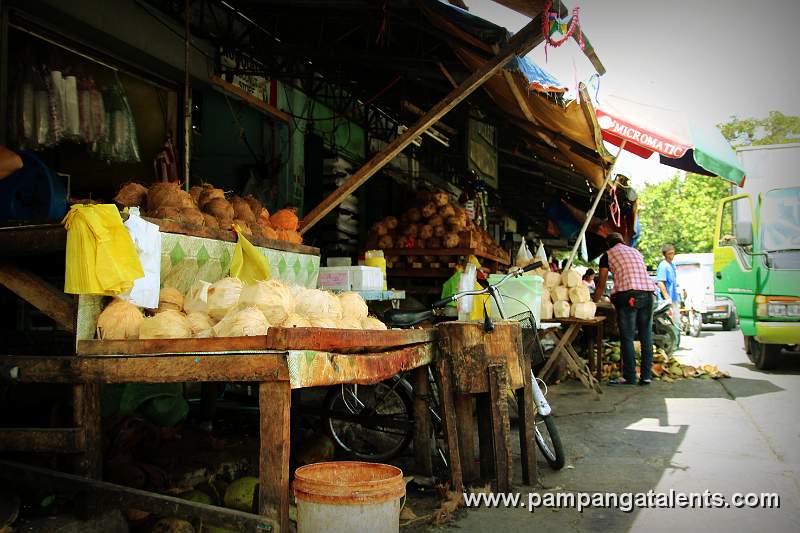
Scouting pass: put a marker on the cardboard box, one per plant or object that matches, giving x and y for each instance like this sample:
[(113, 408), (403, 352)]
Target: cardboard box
[(353, 278)]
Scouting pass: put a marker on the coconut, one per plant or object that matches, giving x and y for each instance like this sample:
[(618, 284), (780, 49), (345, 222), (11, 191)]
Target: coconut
[(210, 221), (243, 321), (439, 231), (456, 223), (391, 222), (285, 219), (289, 236), (425, 231), (323, 322), (220, 208), (428, 210), (167, 213), (446, 211), (386, 242), (170, 298), (201, 324), (120, 320), (353, 306), (293, 320), (272, 297), (436, 220), (315, 303), (242, 209), (185, 199), (269, 232), (208, 193), (380, 229), (451, 240), (571, 278), (255, 204), (163, 194), (194, 192), (413, 214), (412, 230), (441, 198), (262, 216), (239, 494), (166, 325), (552, 279), (223, 296), (244, 227), (372, 323), (350, 322), (132, 195), (192, 215), (561, 309)]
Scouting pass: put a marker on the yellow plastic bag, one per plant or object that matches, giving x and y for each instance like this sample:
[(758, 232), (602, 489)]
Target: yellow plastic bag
[(247, 263), (101, 257)]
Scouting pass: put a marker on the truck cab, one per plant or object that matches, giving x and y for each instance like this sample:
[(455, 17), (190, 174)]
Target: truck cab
[(695, 277), (757, 258)]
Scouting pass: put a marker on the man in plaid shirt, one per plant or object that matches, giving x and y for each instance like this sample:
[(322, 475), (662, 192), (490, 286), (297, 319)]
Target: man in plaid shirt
[(632, 297)]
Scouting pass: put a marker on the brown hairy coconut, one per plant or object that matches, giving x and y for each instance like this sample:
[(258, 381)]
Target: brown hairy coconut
[(210, 221), (164, 194), (132, 195), (208, 193), (242, 210), (220, 208), (192, 215)]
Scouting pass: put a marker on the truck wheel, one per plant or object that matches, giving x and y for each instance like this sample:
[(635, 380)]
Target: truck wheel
[(765, 356), (730, 323), (747, 349)]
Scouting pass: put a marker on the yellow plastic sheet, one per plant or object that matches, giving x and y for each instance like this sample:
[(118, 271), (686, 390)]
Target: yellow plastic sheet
[(101, 257), (247, 264)]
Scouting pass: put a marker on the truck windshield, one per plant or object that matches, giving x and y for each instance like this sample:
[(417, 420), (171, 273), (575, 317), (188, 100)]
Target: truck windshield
[(780, 220)]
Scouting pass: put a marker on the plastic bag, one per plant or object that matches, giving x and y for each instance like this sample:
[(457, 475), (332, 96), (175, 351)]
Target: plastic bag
[(147, 239), (101, 257), (119, 141), (524, 255), (247, 263)]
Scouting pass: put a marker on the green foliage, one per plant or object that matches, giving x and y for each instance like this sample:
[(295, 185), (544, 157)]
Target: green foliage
[(777, 128), (681, 211)]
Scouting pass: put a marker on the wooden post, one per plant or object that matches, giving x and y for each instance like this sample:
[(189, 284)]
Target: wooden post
[(465, 418), (422, 422), (501, 427), (599, 330), (86, 415), (274, 405), (521, 42), (485, 446), (527, 419), (449, 423)]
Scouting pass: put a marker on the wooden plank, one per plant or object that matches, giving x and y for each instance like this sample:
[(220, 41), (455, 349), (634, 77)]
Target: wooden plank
[(501, 427), (86, 415), (409, 106), (251, 100), (40, 294), (274, 405), (485, 444), (58, 440), (471, 350), (527, 36), (33, 240), (519, 97), (393, 252), (110, 495), (526, 410), (322, 339), (147, 369), (449, 422), (171, 226), (446, 73), (465, 419), (422, 422)]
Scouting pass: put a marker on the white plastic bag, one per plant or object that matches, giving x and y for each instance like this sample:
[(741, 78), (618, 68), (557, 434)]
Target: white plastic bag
[(524, 255), (147, 239)]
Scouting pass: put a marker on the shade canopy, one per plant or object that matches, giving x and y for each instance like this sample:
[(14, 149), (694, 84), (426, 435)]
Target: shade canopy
[(679, 142)]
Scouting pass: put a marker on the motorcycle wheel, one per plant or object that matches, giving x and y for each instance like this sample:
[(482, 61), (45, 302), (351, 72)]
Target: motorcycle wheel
[(695, 323)]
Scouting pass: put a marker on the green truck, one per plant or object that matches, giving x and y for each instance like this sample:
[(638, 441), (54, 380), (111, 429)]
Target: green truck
[(757, 252)]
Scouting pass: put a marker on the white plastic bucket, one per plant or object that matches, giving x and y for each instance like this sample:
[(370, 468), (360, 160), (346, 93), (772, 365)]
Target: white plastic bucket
[(348, 496), (520, 295)]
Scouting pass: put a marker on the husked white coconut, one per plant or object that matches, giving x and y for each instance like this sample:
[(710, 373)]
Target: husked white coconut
[(223, 296), (272, 297), (244, 321), (561, 309), (580, 294)]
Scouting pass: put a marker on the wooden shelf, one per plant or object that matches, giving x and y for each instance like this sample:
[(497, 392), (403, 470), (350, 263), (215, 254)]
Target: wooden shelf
[(419, 272), (444, 252)]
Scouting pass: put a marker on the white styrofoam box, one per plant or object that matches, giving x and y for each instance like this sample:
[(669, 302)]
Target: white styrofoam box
[(339, 262), (351, 278)]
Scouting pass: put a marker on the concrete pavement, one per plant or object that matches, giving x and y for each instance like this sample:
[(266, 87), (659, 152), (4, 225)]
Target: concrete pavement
[(737, 435)]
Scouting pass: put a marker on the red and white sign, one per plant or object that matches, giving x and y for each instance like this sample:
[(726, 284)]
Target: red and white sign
[(616, 129)]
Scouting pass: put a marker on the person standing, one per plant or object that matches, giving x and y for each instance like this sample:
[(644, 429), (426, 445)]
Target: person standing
[(667, 281), (632, 296)]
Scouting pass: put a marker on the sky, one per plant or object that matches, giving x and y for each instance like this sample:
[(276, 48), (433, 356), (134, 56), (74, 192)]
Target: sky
[(711, 59)]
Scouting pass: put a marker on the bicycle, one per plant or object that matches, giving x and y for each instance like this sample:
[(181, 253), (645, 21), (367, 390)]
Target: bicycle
[(375, 422)]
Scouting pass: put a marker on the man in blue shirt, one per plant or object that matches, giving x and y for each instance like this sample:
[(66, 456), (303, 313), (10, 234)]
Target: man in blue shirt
[(666, 279)]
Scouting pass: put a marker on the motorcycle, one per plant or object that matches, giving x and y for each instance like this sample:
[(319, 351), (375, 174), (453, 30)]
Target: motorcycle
[(666, 335)]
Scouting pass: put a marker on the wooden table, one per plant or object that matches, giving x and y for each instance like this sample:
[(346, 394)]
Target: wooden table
[(566, 352), (279, 361)]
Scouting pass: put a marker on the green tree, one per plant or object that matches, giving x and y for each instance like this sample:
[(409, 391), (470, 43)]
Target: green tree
[(679, 211), (777, 128)]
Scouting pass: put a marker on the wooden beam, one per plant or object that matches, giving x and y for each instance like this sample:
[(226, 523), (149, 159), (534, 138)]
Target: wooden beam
[(147, 369), (518, 96), (527, 37), (251, 100), (447, 74), (274, 405), (409, 106), (59, 440), (117, 496), (40, 294)]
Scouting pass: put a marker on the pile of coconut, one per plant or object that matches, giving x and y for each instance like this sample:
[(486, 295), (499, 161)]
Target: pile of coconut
[(206, 205), (228, 308), (565, 295)]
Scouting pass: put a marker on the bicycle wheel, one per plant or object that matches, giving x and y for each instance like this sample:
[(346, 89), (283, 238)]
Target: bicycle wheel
[(370, 422), (549, 442)]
